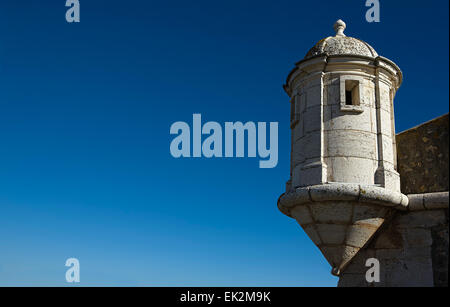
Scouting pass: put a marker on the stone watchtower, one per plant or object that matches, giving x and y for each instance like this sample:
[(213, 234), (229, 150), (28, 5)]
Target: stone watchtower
[(343, 184)]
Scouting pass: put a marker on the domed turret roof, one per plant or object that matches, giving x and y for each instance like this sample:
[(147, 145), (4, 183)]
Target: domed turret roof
[(341, 45)]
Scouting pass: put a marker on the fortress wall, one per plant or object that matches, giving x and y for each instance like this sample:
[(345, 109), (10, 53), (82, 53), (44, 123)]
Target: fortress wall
[(412, 250), (422, 157), (413, 247)]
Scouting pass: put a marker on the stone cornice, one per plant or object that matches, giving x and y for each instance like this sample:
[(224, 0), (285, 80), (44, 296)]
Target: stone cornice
[(342, 192), (428, 201), (322, 61)]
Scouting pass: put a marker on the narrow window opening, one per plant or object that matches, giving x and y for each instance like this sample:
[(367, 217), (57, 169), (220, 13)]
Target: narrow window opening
[(348, 98), (352, 92)]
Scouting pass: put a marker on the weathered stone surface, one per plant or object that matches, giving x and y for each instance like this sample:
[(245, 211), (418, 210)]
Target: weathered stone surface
[(298, 130), (438, 200), (363, 194), (295, 197), (337, 191), (388, 177), (416, 202), (419, 252), (332, 212), (412, 250), (417, 237), (314, 95), (423, 219), (339, 256), (359, 235), (389, 253), (358, 263), (439, 253), (388, 152), (309, 144), (345, 121), (358, 144), (345, 224), (352, 280), (332, 233), (389, 238), (385, 97), (309, 174), (409, 273), (332, 97), (341, 45), (313, 119), (302, 215), (380, 196), (351, 170), (423, 157), (367, 214), (385, 124)]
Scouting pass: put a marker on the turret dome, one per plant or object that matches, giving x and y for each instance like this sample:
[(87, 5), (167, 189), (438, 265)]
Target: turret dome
[(341, 45)]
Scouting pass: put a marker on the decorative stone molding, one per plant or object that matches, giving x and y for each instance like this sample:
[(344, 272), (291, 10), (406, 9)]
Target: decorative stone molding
[(344, 192), (364, 64), (341, 218), (428, 201)]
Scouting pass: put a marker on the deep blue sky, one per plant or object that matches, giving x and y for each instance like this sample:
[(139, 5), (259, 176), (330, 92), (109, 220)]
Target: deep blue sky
[(85, 111)]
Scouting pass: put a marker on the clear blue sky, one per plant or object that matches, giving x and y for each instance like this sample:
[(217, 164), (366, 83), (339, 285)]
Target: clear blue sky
[(85, 112)]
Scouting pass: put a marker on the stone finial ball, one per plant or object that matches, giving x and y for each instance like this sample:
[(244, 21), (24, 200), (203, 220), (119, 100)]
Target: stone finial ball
[(339, 27)]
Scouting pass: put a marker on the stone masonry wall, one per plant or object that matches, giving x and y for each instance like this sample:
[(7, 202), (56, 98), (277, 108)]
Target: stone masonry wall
[(413, 247), (422, 154), (412, 250)]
